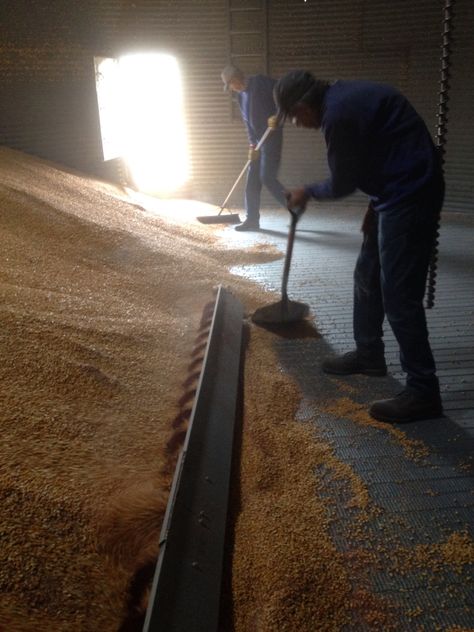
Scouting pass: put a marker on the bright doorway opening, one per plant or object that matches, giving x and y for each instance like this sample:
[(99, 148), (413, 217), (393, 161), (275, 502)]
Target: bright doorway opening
[(141, 112)]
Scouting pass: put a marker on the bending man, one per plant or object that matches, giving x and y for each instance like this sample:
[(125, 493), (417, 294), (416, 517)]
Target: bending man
[(376, 142)]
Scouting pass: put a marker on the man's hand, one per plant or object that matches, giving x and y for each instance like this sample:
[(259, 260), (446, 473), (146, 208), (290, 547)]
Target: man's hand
[(273, 121), (297, 199), (254, 154)]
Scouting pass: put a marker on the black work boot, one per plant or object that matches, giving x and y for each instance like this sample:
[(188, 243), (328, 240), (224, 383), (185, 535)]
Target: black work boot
[(409, 405), (248, 224), (354, 362)]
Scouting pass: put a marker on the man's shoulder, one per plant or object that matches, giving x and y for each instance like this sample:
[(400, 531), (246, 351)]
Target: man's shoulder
[(346, 95), (343, 88), (359, 103), (262, 79)]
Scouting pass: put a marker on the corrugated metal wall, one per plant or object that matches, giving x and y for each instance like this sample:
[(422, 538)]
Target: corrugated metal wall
[(393, 42), (48, 103), (47, 106)]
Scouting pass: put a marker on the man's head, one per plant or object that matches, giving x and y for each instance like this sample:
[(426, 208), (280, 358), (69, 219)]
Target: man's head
[(299, 96), (233, 78)]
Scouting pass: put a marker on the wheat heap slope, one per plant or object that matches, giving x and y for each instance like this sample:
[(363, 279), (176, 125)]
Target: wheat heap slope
[(99, 309), (100, 305)]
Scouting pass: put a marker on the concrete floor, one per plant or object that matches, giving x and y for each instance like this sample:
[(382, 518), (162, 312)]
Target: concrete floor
[(419, 500)]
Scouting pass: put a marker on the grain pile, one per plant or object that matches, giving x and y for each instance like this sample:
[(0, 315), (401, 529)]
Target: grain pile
[(100, 305)]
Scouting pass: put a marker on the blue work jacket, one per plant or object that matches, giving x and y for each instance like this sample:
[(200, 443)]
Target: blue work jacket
[(376, 142), (257, 105)]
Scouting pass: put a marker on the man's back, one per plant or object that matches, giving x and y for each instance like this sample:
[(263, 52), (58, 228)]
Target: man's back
[(257, 105), (389, 143)]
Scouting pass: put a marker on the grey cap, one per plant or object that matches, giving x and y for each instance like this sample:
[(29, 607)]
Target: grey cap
[(230, 72), (292, 88)]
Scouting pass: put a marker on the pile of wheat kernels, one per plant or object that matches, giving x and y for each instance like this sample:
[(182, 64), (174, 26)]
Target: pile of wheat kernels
[(100, 305), (100, 302)]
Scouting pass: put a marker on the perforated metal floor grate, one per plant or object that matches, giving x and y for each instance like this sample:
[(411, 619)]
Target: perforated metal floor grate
[(421, 499)]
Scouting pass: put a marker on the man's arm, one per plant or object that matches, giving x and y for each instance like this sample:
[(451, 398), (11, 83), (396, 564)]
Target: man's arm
[(345, 157), (253, 140)]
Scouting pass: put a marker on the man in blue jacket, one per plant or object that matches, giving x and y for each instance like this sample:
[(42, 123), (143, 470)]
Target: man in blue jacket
[(377, 143), (257, 106)]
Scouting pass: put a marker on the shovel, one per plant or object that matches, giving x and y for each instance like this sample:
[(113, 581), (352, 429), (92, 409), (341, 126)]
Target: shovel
[(232, 218), (285, 311)]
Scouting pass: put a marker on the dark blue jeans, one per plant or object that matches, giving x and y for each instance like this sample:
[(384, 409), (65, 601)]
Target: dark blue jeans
[(263, 172), (390, 279)]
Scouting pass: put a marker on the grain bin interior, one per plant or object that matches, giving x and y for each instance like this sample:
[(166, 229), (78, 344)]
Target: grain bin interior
[(334, 521)]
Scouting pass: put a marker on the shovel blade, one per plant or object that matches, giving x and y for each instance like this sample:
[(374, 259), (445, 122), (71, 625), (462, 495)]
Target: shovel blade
[(280, 313)]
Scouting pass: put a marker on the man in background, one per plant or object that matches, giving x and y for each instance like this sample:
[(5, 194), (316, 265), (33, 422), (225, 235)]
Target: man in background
[(377, 143), (257, 107)]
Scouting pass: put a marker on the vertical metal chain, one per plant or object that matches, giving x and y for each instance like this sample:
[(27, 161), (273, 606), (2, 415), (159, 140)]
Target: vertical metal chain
[(441, 133)]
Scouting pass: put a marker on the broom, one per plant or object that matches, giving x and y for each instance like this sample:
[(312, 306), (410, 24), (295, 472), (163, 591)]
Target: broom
[(232, 218)]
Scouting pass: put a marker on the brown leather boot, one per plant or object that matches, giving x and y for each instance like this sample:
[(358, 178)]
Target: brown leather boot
[(409, 405), (354, 362)]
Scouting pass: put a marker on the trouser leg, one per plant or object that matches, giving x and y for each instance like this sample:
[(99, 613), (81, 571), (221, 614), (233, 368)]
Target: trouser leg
[(368, 313), (253, 190), (406, 236)]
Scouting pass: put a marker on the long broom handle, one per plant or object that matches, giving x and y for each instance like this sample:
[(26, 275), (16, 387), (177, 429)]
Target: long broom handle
[(260, 143)]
